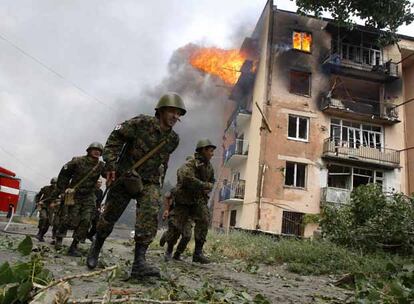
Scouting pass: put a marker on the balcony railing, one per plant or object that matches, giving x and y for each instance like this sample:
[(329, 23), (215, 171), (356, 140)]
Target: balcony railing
[(353, 151), (335, 195), (236, 152), (233, 192), (362, 62), (374, 111)]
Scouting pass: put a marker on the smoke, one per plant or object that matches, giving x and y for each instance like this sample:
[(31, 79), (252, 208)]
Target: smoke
[(204, 96)]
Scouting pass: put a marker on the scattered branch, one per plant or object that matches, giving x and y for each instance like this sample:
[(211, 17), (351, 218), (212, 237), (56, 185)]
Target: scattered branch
[(127, 300), (76, 276)]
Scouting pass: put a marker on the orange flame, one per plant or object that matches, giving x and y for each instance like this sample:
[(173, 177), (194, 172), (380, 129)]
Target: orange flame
[(225, 64), (302, 41)]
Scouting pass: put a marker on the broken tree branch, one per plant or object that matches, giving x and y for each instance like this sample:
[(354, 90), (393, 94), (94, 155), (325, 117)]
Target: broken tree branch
[(127, 300), (76, 276)]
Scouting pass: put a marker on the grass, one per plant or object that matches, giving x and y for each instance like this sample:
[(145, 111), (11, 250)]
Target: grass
[(305, 257)]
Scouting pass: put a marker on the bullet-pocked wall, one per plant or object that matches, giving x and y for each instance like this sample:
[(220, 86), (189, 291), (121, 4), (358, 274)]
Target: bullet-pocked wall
[(279, 148)]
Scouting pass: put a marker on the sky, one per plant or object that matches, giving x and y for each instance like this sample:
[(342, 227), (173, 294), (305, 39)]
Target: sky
[(70, 70)]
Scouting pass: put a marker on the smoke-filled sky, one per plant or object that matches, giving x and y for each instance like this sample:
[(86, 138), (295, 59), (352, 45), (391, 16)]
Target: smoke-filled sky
[(70, 70)]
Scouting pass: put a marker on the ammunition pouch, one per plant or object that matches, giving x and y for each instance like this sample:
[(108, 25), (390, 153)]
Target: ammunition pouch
[(133, 183), (69, 197)]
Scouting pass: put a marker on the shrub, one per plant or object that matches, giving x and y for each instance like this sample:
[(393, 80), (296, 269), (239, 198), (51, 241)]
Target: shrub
[(371, 221)]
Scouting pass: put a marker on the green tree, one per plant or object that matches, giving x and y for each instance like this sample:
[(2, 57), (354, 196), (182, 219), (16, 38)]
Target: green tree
[(386, 15)]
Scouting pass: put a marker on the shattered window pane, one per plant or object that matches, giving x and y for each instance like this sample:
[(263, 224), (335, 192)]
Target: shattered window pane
[(290, 174)]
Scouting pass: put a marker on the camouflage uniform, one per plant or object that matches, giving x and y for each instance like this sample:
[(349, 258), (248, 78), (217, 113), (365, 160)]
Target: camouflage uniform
[(194, 179), (78, 217), (45, 211), (174, 231), (134, 138)]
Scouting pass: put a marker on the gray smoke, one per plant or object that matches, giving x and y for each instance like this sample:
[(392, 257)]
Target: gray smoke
[(205, 97)]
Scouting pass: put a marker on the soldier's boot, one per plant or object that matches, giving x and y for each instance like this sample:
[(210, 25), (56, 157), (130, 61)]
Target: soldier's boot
[(140, 268), (73, 249), (93, 255), (40, 235), (198, 256), (58, 243), (182, 244), (163, 239), (168, 252)]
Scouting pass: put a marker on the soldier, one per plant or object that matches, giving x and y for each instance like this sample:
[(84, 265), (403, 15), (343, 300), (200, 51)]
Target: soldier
[(195, 179), (78, 179), (43, 201), (129, 142), (95, 216)]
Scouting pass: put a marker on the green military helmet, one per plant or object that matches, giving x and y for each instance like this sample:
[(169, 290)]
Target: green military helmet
[(95, 145), (203, 143), (53, 180), (172, 100)]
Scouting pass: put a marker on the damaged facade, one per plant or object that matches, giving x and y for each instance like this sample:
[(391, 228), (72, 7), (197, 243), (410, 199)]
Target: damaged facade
[(311, 117)]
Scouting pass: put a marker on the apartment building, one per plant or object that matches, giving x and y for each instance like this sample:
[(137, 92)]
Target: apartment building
[(317, 111)]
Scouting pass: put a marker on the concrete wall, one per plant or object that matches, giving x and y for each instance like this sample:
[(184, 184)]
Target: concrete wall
[(277, 148), (248, 218), (408, 76)]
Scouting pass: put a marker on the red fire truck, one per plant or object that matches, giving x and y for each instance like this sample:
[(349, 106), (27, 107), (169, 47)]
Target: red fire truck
[(9, 189)]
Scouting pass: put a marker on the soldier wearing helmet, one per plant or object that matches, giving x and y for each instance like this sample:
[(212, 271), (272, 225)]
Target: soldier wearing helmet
[(43, 200), (77, 179), (195, 180), (128, 143)]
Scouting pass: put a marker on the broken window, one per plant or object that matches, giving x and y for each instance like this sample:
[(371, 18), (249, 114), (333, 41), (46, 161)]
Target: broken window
[(349, 177), (339, 177), (300, 83), (295, 175), (302, 41), (292, 223), (353, 135), (233, 215), (298, 127)]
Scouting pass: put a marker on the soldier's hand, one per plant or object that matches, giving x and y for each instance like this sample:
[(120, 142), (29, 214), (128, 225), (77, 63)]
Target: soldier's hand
[(69, 191), (110, 177), (165, 215)]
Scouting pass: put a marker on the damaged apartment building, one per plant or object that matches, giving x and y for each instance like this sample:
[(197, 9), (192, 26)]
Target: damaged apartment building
[(317, 111)]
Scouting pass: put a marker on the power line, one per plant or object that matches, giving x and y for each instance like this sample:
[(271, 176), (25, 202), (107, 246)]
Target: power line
[(23, 163), (54, 72)]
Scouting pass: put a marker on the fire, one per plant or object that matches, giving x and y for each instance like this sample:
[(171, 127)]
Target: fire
[(302, 41), (225, 64)]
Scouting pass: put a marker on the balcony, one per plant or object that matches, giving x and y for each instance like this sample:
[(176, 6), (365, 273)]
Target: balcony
[(361, 62), (354, 153), (239, 120), (232, 194), (236, 154), (335, 196), (380, 113)]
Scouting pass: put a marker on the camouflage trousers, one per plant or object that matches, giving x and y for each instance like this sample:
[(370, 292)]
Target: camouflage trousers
[(181, 220), (176, 228), (148, 206), (45, 218), (77, 217)]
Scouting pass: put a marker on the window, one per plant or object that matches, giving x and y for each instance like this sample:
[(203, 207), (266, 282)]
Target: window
[(221, 219), (295, 175), (302, 41), (298, 128), (349, 178), (353, 135), (233, 215), (300, 83), (292, 223)]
